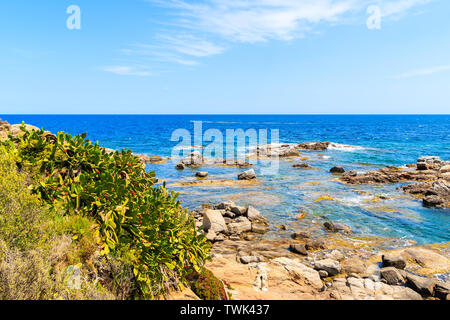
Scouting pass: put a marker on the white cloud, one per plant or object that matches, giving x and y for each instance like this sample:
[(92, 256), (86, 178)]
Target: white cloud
[(200, 28), (399, 7), (422, 72), (253, 21), (128, 70)]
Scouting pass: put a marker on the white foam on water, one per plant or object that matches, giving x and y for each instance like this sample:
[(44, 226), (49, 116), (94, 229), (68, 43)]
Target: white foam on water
[(344, 147)]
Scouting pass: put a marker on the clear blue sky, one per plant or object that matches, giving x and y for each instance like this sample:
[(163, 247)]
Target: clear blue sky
[(219, 56)]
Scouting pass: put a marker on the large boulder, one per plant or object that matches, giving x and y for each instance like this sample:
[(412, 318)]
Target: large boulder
[(337, 169), (392, 276), (247, 175), (429, 162), (194, 159), (299, 248), (423, 286), (240, 225), (213, 220), (442, 290), (300, 271), (201, 174), (333, 267), (238, 210), (254, 215), (392, 260), (226, 205)]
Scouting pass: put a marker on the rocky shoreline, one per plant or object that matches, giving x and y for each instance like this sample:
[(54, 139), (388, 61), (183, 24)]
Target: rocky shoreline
[(312, 268), (338, 266), (432, 173)]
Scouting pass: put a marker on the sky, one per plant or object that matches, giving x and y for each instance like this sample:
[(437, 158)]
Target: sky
[(225, 57)]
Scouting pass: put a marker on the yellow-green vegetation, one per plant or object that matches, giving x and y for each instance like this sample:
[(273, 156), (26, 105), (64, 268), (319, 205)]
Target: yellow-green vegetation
[(65, 201)]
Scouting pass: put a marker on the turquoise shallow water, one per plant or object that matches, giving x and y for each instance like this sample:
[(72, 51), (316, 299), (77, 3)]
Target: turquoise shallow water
[(377, 140)]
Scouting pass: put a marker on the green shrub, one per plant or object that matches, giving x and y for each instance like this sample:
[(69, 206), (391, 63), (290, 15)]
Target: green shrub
[(114, 190), (206, 285)]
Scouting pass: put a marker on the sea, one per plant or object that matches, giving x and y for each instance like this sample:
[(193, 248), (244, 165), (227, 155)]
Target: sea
[(300, 199)]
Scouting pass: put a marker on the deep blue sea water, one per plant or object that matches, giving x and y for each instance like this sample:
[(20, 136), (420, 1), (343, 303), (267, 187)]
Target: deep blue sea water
[(377, 141)]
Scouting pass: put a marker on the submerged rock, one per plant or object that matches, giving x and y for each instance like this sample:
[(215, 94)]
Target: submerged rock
[(336, 227), (337, 169), (201, 174)]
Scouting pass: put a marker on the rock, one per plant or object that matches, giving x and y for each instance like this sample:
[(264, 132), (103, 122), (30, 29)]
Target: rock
[(337, 169), (300, 271), (434, 194), (301, 235), (315, 244), (250, 237), (404, 293), (351, 173), (211, 235), (239, 211), (353, 265), (194, 159), (254, 215), (16, 131), (240, 225), (299, 248), (235, 237), (301, 166), (335, 255), (213, 220), (392, 276), (323, 274), (442, 290), (316, 146), (229, 214), (446, 176), (444, 169), (226, 205), (336, 227), (392, 260), (331, 266), (249, 259), (180, 166), (429, 162), (257, 228), (423, 286), (219, 237), (201, 174), (247, 175)]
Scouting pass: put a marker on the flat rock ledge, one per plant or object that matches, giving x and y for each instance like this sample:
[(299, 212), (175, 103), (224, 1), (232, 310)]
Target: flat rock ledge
[(431, 172)]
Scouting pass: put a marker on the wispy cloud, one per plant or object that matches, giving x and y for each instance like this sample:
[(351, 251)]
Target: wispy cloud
[(196, 29), (253, 21), (128, 70), (399, 7), (421, 72)]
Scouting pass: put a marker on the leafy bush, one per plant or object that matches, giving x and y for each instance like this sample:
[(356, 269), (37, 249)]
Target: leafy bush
[(80, 178), (206, 285)]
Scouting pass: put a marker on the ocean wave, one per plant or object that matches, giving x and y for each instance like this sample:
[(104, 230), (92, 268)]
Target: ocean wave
[(345, 147)]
